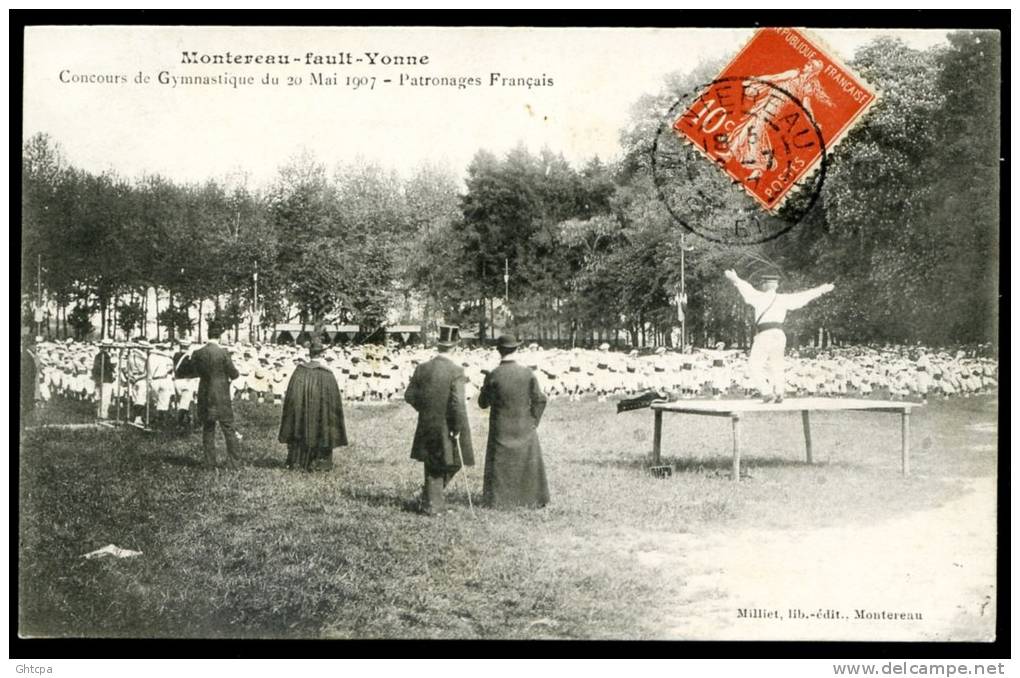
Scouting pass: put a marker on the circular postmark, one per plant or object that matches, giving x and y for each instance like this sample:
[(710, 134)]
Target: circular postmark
[(738, 161)]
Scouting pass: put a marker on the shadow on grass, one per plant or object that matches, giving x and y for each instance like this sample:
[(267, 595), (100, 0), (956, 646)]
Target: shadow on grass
[(453, 500), (701, 465), (380, 499), (181, 460), (266, 462)]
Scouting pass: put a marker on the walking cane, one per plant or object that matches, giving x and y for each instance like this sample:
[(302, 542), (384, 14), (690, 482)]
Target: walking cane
[(467, 483)]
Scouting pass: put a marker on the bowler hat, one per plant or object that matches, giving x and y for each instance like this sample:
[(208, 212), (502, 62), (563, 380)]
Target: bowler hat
[(507, 341)]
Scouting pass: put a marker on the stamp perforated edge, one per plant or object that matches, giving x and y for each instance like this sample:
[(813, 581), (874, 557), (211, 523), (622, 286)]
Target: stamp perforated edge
[(807, 175)]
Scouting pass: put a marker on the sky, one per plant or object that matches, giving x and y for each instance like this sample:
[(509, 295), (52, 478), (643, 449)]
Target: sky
[(197, 132)]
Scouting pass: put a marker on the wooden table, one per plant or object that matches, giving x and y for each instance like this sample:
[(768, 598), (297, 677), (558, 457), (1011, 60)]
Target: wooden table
[(736, 409)]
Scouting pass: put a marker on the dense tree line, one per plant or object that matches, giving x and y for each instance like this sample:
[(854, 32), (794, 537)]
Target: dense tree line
[(906, 226)]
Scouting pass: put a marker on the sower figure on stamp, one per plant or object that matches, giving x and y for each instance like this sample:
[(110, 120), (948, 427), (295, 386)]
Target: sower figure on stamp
[(442, 439), (749, 138), (514, 470), (770, 308), (215, 371)]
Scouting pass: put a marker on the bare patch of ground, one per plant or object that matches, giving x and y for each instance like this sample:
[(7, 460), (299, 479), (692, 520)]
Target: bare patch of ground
[(746, 583)]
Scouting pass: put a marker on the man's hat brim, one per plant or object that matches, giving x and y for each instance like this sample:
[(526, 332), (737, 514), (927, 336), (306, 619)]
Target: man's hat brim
[(507, 342)]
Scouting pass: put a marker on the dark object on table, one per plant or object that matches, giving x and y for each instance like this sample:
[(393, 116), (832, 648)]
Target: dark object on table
[(640, 402)]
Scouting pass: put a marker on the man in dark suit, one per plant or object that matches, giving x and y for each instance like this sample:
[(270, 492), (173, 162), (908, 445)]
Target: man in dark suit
[(514, 471), (215, 370), (442, 440)]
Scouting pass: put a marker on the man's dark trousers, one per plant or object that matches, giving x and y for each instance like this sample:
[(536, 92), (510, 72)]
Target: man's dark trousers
[(433, 499), (209, 443)]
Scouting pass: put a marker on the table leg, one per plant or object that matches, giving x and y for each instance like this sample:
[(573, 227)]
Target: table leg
[(905, 441), (657, 439), (735, 418), (806, 416)]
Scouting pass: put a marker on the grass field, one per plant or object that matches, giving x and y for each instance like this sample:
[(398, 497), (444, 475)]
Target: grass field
[(265, 552)]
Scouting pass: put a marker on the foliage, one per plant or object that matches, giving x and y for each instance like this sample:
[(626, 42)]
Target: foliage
[(80, 319), (177, 319), (227, 316), (906, 226), (130, 317)]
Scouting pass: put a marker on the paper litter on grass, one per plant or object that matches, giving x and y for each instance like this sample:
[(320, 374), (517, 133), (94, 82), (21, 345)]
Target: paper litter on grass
[(111, 550)]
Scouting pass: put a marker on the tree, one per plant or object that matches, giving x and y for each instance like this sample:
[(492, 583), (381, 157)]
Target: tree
[(177, 320), (434, 260), (130, 316), (81, 320), (906, 226), (302, 211), (43, 169), (371, 236), (876, 198), (964, 217)]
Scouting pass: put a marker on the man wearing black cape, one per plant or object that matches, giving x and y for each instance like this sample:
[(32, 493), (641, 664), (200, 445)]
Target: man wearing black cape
[(313, 414)]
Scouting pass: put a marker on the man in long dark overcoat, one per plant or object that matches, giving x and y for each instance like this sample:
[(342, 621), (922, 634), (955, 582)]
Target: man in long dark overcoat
[(215, 371), (442, 439), (312, 424), (514, 471)]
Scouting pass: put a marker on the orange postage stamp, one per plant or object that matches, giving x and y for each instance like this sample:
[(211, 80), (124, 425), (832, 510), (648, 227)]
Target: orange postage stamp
[(774, 111)]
